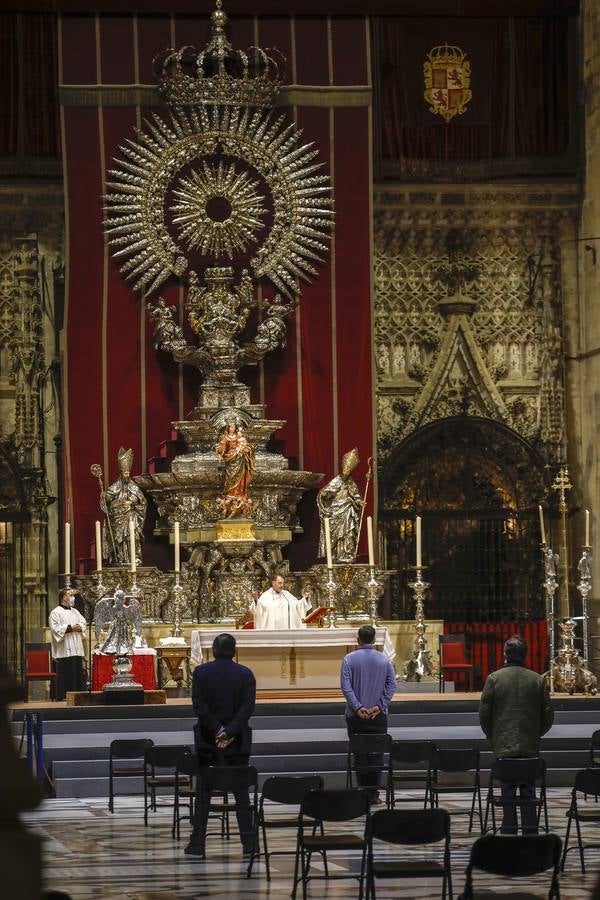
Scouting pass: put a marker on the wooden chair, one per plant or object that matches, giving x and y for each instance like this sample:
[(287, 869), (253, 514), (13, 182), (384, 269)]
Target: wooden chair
[(38, 666), (454, 659)]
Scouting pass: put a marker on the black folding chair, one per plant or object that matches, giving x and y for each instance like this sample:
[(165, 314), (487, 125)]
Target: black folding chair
[(130, 751), (595, 749), (518, 771), (515, 856), (455, 762), (409, 764), (327, 807), (186, 772), (410, 827), (225, 780), (587, 781), (288, 790), (160, 764), (362, 746)]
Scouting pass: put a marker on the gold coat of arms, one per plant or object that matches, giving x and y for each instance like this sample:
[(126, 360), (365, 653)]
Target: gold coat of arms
[(447, 80)]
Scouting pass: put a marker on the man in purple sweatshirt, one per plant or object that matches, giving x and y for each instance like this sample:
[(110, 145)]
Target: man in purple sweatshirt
[(368, 682)]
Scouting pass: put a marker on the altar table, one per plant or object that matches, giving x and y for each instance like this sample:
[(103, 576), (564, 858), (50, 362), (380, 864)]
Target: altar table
[(302, 658), (143, 669)]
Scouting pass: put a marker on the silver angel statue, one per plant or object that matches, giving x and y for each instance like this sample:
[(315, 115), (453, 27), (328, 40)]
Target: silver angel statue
[(341, 503), (122, 619), (123, 502)]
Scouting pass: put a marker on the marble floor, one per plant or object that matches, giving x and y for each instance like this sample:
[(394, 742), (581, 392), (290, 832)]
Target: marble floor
[(90, 853)]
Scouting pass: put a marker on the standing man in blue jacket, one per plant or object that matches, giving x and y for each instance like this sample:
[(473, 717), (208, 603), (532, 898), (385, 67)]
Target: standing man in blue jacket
[(223, 696), (368, 683)]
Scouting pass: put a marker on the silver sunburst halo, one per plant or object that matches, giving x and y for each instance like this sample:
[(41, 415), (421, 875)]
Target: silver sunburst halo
[(241, 203), (299, 234)]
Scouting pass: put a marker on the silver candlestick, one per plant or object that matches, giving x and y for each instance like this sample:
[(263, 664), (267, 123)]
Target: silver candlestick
[(332, 588), (420, 665), (100, 587), (374, 592), (550, 586), (178, 606), (135, 590), (584, 587), (568, 671)]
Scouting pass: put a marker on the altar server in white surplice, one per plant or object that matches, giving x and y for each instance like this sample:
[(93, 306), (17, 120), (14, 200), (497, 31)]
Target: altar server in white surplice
[(67, 627), (278, 609)]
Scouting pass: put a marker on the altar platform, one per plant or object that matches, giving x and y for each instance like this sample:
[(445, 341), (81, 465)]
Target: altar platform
[(291, 735)]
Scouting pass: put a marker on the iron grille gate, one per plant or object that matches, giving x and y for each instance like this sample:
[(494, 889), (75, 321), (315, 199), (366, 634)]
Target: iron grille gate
[(482, 567)]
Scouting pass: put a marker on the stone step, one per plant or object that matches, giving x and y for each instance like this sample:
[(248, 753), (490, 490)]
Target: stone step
[(292, 739)]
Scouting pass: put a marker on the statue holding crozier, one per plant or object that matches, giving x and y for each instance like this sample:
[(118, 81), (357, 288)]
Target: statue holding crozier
[(123, 502), (340, 502)]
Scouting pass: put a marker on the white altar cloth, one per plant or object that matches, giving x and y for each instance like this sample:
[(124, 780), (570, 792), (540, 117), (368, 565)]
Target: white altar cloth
[(201, 641)]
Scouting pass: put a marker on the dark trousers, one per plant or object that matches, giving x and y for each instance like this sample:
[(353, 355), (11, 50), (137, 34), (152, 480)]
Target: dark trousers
[(69, 675), (528, 813), (366, 776), (203, 796)]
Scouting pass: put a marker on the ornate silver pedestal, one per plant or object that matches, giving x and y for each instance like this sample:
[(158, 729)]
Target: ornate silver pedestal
[(420, 666), (122, 679)]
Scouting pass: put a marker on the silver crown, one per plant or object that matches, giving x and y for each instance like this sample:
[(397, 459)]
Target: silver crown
[(219, 75)]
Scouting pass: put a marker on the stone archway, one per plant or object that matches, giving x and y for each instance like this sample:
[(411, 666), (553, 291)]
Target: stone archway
[(477, 484)]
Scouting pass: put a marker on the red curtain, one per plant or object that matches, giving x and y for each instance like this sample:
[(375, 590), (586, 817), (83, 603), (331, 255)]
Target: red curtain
[(521, 81), (486, 641), (118, 389)]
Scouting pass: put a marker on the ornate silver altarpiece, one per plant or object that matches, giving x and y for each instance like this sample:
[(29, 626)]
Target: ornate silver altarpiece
[(221, 193)]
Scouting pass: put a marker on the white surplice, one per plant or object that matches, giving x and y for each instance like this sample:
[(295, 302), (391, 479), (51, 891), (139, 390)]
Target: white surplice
[(66, 643), (280, 610)]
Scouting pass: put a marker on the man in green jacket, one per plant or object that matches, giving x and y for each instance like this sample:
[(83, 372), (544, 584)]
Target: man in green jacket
[(514, 712)]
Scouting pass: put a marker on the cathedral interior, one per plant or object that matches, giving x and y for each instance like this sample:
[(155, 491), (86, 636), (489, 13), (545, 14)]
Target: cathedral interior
[(449, 333), (388, 240)]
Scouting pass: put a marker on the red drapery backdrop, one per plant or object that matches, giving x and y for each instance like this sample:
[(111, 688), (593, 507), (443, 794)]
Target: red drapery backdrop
[(118, 389), (486, 641), (143, 670)]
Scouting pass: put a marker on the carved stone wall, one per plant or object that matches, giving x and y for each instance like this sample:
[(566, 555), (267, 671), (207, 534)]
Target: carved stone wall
[(468, 308), (584, 344), (29, 404)]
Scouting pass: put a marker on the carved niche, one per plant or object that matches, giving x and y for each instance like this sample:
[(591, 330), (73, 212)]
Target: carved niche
[(468, 310)]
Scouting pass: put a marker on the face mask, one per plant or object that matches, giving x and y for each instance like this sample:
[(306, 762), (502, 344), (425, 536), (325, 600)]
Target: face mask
[(71, 601)]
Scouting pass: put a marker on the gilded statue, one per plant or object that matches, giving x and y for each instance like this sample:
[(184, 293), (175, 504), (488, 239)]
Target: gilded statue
[(122, 618), (123, 502), (340, 501), (237, 454)]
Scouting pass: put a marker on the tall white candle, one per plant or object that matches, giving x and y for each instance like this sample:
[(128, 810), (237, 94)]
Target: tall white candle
[(418, 542), (587, 528), (132, 545), (370, 540), (98, 547), (542, 529), (328, 543), (67, 548), (176, 538)]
